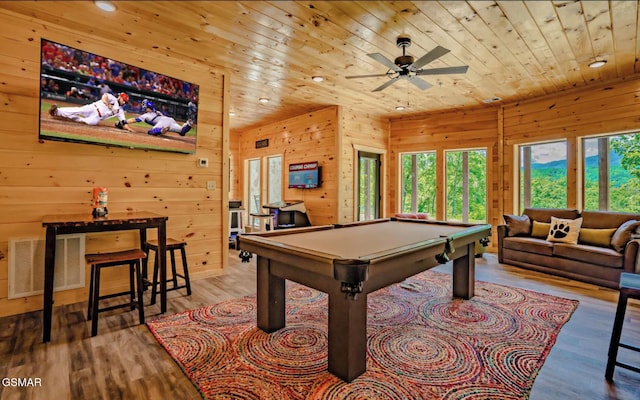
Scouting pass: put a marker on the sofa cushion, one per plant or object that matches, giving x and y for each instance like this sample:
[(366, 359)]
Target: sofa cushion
[(623, 234), (596, 237), (528, 244), (545, 214), (589, 254), (606, 219), (519, 225), (540, 229), (564, 230)]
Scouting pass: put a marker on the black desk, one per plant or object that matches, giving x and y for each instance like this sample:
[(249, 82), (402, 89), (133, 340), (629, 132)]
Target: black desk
[(288, 214), (85, 223)]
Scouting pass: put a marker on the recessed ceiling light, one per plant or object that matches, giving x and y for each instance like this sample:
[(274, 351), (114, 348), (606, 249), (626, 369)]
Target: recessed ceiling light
[(263, 100), (399, 108), (105, 5), (317, 78), (597, 63), (491, 100), (232, 114)]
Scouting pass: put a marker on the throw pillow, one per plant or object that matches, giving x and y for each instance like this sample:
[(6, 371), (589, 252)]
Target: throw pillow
[(564, 230), (540, 229), (517, 225), (596, 237), (623, 234)]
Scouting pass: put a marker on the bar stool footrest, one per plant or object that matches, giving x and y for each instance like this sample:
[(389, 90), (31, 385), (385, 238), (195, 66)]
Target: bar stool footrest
[(117, 306), (627, 366)]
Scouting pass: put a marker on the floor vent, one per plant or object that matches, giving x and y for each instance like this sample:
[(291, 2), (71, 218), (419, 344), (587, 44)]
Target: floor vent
[(26, 265)]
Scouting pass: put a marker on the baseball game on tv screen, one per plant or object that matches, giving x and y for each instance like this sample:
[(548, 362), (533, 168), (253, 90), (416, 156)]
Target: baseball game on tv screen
[(88, 98)]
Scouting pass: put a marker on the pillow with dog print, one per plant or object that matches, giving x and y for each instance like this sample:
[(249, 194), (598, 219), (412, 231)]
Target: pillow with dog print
[(564, 230)]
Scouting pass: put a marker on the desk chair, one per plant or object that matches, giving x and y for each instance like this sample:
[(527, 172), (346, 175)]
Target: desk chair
[(106, 260), (172, 246), (629, 289)]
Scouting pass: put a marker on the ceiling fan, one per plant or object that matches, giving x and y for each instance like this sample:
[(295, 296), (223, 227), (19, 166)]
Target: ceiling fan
[(406, 68)]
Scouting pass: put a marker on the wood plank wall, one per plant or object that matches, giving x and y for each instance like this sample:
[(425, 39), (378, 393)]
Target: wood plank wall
[(41, 178), (360, 132), (235, 188), (309, 137), (598, 109), (594, 110), (439, 132)]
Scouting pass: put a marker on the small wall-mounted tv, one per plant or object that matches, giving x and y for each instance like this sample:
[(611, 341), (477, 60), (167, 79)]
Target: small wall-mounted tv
[(305, 175), (161, 110)]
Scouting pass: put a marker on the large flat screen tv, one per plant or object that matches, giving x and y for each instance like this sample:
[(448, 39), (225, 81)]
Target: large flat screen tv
[(78, 95), (305, 175)]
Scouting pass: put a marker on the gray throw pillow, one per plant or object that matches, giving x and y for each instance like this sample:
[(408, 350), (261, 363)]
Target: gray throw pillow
[(623, 234), (518, 225)]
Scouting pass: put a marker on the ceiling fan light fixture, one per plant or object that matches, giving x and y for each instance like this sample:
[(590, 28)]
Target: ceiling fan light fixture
[(107, 6), (263, 100), (317, 78), (410, 69), (597, 63)]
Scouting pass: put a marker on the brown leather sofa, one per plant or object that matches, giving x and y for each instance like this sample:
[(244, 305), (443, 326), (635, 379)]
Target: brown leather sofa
[(594, 260)]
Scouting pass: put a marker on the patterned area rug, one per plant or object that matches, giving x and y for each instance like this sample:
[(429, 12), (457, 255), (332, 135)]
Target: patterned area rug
[(422, 344)]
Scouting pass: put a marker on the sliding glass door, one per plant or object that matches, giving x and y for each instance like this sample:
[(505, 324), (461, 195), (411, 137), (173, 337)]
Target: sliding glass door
[(368, 186)]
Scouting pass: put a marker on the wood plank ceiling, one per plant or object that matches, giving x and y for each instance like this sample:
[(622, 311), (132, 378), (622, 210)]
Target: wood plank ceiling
[(514, 49)]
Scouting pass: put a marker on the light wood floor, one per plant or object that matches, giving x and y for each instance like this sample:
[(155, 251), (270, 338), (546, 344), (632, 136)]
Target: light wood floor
[(125, 361)]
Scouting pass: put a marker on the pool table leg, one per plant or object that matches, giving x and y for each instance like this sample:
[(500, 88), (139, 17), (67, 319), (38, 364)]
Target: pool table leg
[(464, 273), (271, 298), (347, 335)]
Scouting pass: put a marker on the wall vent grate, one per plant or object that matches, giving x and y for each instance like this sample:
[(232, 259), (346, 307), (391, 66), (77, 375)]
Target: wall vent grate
[(26, 265)]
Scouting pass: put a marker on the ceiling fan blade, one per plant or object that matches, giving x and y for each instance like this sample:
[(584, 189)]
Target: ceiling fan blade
[(442, 71), (385, 85), (384, 61), (434, 54), (422, 84), (365, 76)]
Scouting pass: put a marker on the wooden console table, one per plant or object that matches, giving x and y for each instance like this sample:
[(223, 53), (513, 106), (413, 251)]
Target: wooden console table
[(85, 223)]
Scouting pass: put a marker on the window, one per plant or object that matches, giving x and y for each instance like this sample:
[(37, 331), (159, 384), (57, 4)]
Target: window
[(466, 185), (253, 182), (612, 173), (543, 175), (274, 185), (418, 183)]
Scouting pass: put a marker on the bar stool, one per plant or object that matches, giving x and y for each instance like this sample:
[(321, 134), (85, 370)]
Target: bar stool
[(105, 260), (264, 221), (629, 289), (172, 246), (236, 224)]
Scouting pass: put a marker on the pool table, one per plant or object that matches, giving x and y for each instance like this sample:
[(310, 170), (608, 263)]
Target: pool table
[(347, 262)]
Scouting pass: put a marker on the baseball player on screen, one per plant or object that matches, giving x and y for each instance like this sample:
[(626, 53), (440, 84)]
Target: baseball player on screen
[(160, 122), (91, 114)]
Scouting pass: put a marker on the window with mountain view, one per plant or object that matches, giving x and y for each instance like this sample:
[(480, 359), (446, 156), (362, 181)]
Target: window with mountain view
[(418, 183), (466, 185), (612, 173), (543, 175)]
